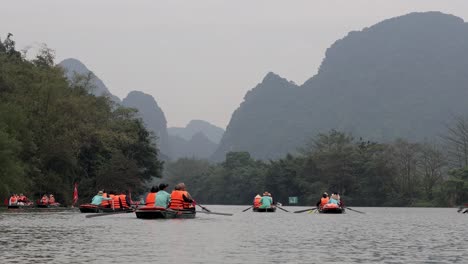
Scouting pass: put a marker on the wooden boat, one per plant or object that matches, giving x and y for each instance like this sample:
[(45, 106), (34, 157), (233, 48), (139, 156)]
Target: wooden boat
[(18, 206), (151, 212), (331, 209), (44, 205), (91, 208), (265, 210)]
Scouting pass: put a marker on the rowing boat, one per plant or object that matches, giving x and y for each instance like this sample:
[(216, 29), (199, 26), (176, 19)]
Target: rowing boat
[(151, 212), (331, 209), (91, 208), (265, 210)]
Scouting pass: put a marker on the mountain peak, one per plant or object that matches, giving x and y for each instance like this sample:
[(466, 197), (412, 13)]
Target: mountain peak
[(73, 66)]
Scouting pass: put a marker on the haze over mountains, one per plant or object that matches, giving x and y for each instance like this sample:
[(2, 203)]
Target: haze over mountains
[(403, 77), (199, 139)]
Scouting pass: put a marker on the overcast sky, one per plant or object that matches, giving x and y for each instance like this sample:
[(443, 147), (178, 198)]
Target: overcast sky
[(198, 58)]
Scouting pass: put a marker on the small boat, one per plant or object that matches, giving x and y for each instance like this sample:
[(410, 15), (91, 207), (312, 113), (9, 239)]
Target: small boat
[(46, 205), (91, 208), (331, 209), (151, 212), (20, 205), (265, 210)]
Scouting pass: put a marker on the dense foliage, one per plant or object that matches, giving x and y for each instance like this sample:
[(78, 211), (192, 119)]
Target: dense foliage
[(365, 173), (54, 133)]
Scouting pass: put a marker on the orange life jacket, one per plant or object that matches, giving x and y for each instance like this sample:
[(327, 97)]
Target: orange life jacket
[(105, 203), (177, 200), (324, 201), (123, 199), (150, 199), (13, 199), (257, 202), (22, 198), (116, 200), (51, 200)]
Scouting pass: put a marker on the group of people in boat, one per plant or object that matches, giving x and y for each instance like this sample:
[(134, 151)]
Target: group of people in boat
[(48, 200), (264, 201), (20, 199), (178, 199), (113, 199), (333, 199)]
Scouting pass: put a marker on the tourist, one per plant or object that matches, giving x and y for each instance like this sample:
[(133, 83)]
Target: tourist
[(163, 198), (323, 201), (180, 198), (99, 198), (256, 201), (266, 201), (150, 199)]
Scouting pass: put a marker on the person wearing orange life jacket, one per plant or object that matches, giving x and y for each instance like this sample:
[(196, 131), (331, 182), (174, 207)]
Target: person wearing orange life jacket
[(150, 199), (105, 201), (181, 199), (256, 202), (99, 198), (115, 200), (125, 200), (323, 201)]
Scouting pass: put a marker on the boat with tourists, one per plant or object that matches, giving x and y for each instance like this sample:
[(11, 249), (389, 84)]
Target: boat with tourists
[(331, 208), (271, 209), (91, 208), (154, 212)]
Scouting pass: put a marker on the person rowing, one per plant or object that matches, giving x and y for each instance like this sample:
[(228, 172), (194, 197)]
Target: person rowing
[(181, 199), (323, 201), (99, 198)]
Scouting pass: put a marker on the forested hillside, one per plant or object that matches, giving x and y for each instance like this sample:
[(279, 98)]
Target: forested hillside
[(54, 133), (403, 77), (365, 173)]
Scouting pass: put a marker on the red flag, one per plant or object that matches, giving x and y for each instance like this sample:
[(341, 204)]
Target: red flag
[(75, 194)]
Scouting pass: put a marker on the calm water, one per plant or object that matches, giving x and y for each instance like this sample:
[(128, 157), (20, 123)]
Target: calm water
[(383, 235)]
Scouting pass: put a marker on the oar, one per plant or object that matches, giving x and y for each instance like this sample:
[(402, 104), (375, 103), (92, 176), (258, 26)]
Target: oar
[(111, 213), (282, 209), (355, 210), (214, 213), (202, 207), (247, 208), (301, 211)]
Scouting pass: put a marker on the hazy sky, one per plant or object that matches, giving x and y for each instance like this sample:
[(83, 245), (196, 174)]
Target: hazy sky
[(198, 58)]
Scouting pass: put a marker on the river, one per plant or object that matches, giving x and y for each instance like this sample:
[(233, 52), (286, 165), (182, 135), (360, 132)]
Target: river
[(382, 235)]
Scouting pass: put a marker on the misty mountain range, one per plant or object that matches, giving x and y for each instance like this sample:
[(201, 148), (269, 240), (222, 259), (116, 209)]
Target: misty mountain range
[(403, 77), (199, 139)]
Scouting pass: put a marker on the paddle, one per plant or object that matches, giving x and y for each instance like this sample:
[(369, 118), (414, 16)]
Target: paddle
[(355, 210), (214, 213), (282, 209), (301, 211), (202, 207), (111, 213), (247, 208)]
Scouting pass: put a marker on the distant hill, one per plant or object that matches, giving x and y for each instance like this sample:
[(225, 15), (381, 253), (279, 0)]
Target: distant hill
[(152, 116), (212, 132), (199, 146), (403, 77), (74, 66)]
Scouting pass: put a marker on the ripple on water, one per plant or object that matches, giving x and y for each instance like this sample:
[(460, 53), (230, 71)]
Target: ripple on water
[(383, 235)]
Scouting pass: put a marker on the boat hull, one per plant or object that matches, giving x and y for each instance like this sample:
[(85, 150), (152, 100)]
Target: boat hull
[(91, 208), (331, 209), (265, 210), (162, 213)]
